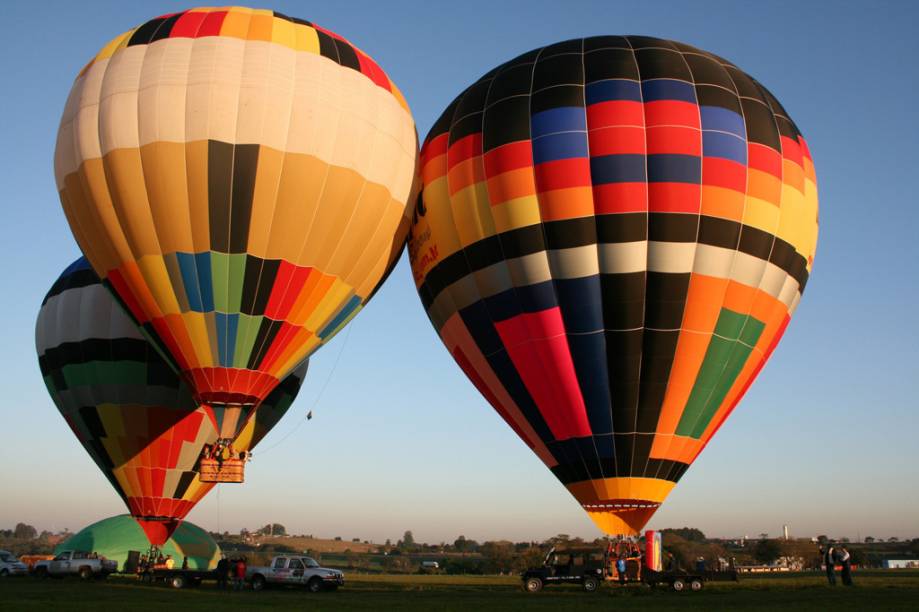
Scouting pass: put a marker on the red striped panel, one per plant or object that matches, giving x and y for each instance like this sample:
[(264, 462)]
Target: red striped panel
[(188, 25), (617, 141), (764, 158), (791, 150), (212, 24), (674, 197), (563, 173), (434, 147), (674, 140), (157, 481), (512, 156), (615, 113), (463, 149), (672, 112), (539, 351), (373, 71), (213, 384), (281, 341), (725, 173), (620, 198), (287, 286)]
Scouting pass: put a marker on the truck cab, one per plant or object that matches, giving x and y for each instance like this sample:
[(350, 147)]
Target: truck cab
[(585, 566), (86, 565), (295, 570)]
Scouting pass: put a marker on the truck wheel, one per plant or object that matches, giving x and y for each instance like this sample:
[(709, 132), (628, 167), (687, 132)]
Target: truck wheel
[(533, 585), (591, 584), (315, 584), (696, 585), (86, 573), (678, 584), (258, 582), (177, 582)]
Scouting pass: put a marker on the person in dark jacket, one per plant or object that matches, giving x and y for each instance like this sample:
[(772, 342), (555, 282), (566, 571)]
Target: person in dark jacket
[(223, 568), (829, 561)]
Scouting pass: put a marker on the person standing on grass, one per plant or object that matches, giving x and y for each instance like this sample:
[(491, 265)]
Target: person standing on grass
[(829, 561), (240, 581), (620, 569), (223, 568), (846, 559)]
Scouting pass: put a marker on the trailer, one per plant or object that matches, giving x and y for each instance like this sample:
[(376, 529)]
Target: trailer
[(680, 580), (177, 578)]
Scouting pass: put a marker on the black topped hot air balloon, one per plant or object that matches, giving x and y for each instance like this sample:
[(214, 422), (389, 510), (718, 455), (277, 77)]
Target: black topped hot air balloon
[(134, 416), (612, 236)]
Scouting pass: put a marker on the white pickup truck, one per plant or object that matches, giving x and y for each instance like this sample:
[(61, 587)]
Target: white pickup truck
[(74, 562), (10, 565), (296, 570)]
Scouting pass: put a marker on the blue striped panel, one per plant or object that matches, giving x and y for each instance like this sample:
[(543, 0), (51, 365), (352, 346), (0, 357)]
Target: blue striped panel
[(190, 280), (562, 119), (613, 89), (624, 168), (673, 168), (668, 89), (205, 280), (722, 119), (560, 146), (530, 298), (580, 301), (719, 144), (226, 337), (196, 276), (343, 314)]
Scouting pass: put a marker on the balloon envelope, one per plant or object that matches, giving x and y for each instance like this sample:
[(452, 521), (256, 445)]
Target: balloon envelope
[(239, 179), (133, 415), (612, 236)]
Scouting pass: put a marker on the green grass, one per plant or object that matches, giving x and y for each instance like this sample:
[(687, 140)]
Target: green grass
[(874, 591)]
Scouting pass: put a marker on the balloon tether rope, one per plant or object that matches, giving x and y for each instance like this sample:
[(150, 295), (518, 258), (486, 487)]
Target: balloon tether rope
[(318, 397)]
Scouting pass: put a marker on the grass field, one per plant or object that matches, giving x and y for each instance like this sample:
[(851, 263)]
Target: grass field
[(873, 591)]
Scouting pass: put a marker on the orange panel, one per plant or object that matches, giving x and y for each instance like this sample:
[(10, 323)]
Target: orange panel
[(566, 203)]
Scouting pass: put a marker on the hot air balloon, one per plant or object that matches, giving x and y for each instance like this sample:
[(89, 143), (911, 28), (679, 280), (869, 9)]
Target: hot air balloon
[(134, 416), (612, 236), (239, 179)]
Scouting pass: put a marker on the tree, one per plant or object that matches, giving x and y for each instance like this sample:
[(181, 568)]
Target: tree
[(892, 539), (869, 540), (460, 544), (690, 534), (408, 540), (822, 540), (24, 532), (272, 529), (767, 551)]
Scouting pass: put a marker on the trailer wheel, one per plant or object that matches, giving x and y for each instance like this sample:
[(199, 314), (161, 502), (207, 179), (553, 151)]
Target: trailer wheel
[(678, 584), (591, 584), (315, 584), (533, 585), (258, 582), (696, 585), (85, 572), (177, 581)]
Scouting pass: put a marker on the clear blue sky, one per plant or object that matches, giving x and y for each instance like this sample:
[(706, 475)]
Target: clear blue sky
[(825, 440)]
